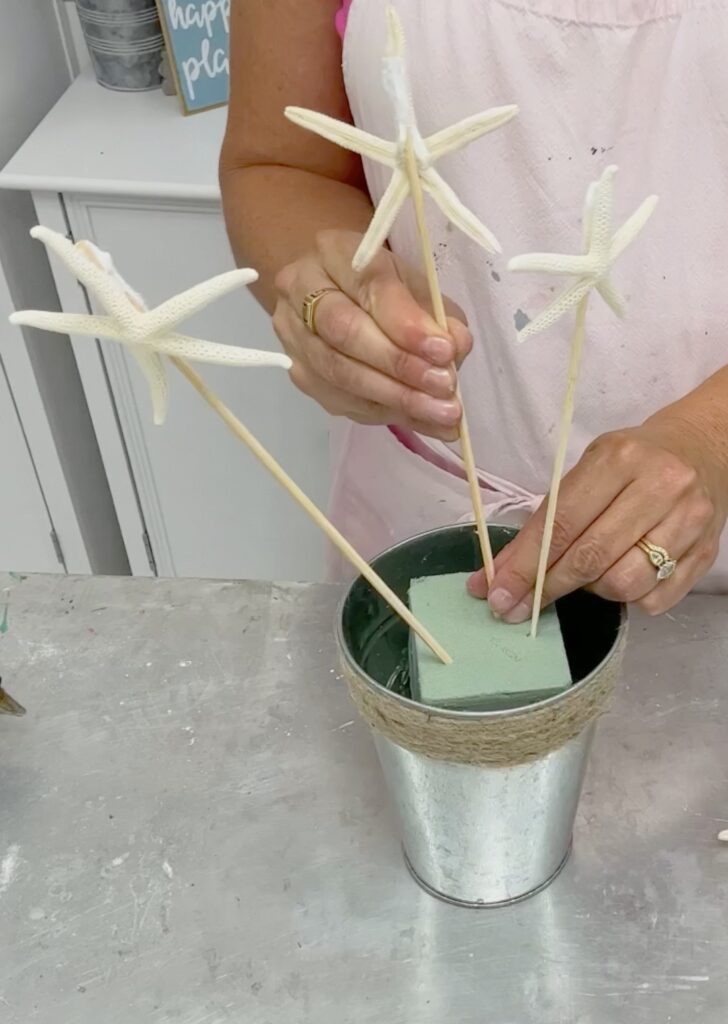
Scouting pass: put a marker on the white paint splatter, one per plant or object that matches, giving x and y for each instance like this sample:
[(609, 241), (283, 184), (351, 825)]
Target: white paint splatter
[(185, 664), (9, 868), (167, 869), (723, 836), (118, 861)]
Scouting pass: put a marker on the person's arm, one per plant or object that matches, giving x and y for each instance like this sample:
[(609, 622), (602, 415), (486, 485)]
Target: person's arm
[(282, 185), (296, 206)]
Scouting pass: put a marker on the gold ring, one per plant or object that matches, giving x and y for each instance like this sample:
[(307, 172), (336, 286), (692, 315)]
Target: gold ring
[(309, 307), (662, 561)]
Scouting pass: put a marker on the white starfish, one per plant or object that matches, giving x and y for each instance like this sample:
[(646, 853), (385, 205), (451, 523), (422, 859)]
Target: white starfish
[(602, 249), (394, 154), (149, 334)]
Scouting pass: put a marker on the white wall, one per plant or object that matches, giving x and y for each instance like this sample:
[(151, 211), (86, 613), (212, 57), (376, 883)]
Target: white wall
[(35, 69)]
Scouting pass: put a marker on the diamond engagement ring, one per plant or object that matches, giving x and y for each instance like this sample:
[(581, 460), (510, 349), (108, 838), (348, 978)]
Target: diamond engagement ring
[(658, 557)]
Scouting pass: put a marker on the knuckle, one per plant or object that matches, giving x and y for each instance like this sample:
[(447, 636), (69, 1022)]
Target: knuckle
[(589, 560), (518, 579), (677, 477), (401, 365), (621, 585), (623, 448), (408, 402), (302, 380), (337, 321), (337, 369), (324, 240), (702, 511), (562, 533), (707, 554), (284, 279)]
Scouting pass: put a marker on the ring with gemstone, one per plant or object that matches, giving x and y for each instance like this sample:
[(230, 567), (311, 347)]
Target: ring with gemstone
[(662, 561)]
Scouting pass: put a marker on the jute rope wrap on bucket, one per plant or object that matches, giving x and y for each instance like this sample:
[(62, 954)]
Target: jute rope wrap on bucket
[(498, 741)]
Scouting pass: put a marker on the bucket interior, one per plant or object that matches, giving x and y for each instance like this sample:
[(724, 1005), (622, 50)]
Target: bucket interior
[(378, 640)]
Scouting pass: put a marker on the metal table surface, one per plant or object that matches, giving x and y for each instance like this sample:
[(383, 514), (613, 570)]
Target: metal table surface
[(193, 829)]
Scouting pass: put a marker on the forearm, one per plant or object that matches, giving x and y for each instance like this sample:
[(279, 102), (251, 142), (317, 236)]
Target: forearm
[(274, 213), (703, 415)]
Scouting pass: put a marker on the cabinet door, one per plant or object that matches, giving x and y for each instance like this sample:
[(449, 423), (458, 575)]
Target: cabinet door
[(210, 509), (25, 528)]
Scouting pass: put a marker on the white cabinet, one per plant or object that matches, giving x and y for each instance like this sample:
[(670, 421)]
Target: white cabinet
[(140, 182), (26, 536)]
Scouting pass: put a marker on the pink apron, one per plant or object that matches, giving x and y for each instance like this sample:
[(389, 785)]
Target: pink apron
[(639, 83)]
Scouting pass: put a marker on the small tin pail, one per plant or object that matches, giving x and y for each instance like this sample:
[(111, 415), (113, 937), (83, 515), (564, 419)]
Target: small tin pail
[(486, 800)]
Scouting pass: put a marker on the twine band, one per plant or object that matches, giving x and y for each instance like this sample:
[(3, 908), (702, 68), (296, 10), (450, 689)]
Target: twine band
[(495, 741)]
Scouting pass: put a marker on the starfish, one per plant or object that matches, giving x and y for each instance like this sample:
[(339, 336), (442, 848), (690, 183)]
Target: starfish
[(602, 249), (393, 154), (149, 334)]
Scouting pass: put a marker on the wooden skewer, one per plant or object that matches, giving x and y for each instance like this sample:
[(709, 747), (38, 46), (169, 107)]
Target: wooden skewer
[(336, 538), (567, 415), (438, 307)]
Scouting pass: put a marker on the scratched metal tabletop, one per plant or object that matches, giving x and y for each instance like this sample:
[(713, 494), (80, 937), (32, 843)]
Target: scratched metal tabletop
[(193, 829)]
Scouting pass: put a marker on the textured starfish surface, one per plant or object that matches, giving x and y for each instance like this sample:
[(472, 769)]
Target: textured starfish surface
[(149, 334), (393, 154), (602, 249)]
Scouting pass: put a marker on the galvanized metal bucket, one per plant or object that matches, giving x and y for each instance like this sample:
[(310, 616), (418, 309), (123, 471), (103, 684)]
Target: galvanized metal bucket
[(477, 830), (125, 42)]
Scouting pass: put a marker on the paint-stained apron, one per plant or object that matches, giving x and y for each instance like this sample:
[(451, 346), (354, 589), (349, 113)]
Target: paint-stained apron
[(639, 83)]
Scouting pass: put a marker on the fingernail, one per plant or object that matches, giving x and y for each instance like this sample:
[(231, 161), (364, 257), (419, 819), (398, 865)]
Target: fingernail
[(444, 413), (438, 350), (439, 381), (500, 601), (519, 614)]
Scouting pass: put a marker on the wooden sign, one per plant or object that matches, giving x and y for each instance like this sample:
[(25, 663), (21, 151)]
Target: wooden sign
[(197, 33)]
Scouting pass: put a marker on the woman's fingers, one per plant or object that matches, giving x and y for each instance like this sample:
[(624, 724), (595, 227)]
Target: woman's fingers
[(345, 386), (599, 553), (373, 340), (585, 492), (341, 403), (382, 292)]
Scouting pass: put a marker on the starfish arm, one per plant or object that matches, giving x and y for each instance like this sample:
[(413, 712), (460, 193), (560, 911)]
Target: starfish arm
[(625, 235), (153, 369), (459, 135), (561, 305), (200, 351), (68, 323), (181, 307), (600, 222), (457, 212), (552, 263), (382, 221), (588, 218), (90, 273), (344, 135), (612, 297)]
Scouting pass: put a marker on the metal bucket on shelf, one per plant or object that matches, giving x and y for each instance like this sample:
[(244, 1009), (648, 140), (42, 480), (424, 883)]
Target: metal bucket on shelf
[(486, 800), (125, 42)]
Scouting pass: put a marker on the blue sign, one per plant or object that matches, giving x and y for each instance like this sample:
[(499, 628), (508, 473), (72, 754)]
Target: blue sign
[(198, 41)]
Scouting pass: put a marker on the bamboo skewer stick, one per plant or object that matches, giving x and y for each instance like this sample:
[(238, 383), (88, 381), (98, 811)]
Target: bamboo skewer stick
[(438, 307), (315, 513), (567, 416), (312, 510)]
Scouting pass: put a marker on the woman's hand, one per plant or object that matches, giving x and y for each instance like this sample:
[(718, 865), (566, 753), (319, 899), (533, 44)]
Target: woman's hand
[(377, 356), (666, 481)]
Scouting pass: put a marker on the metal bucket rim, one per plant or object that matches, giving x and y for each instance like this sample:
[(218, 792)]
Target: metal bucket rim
[(142, 18), (453, 713), (126, 51)]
